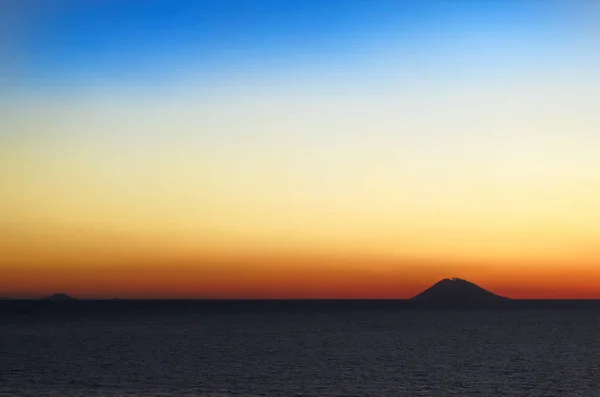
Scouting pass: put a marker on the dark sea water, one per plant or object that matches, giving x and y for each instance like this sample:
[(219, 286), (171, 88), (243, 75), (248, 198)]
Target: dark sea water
[(166, 352)]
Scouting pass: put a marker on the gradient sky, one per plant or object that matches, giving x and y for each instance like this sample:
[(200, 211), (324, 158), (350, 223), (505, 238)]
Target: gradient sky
[(237, 148)]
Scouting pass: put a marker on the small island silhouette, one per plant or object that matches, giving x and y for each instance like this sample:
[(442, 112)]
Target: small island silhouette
[(59, 297), (456, 291)]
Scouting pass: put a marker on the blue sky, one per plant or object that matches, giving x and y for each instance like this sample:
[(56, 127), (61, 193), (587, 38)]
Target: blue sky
[(146, 42)]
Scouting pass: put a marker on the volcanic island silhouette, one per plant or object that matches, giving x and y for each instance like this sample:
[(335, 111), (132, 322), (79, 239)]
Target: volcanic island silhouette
[(458, 292)]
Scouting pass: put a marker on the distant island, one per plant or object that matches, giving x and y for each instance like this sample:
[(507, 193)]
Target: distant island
[(59, 297), (458, 292), (446, 294)]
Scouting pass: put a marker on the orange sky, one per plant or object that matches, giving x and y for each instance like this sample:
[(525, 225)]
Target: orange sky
[(113, 269), (263, 281)]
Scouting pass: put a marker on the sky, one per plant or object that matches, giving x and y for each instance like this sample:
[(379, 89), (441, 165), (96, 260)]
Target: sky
[(299, 149)]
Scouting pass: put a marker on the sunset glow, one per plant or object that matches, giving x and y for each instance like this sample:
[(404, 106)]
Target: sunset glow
[(353, 149)]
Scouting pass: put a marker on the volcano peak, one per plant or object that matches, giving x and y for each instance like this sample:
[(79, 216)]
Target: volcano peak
[(456, 291)]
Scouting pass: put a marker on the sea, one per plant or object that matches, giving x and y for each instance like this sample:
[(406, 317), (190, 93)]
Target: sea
[(252, 349)]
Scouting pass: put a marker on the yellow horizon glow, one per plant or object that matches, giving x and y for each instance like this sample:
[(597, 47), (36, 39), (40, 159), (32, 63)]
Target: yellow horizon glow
[(484, 176)]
